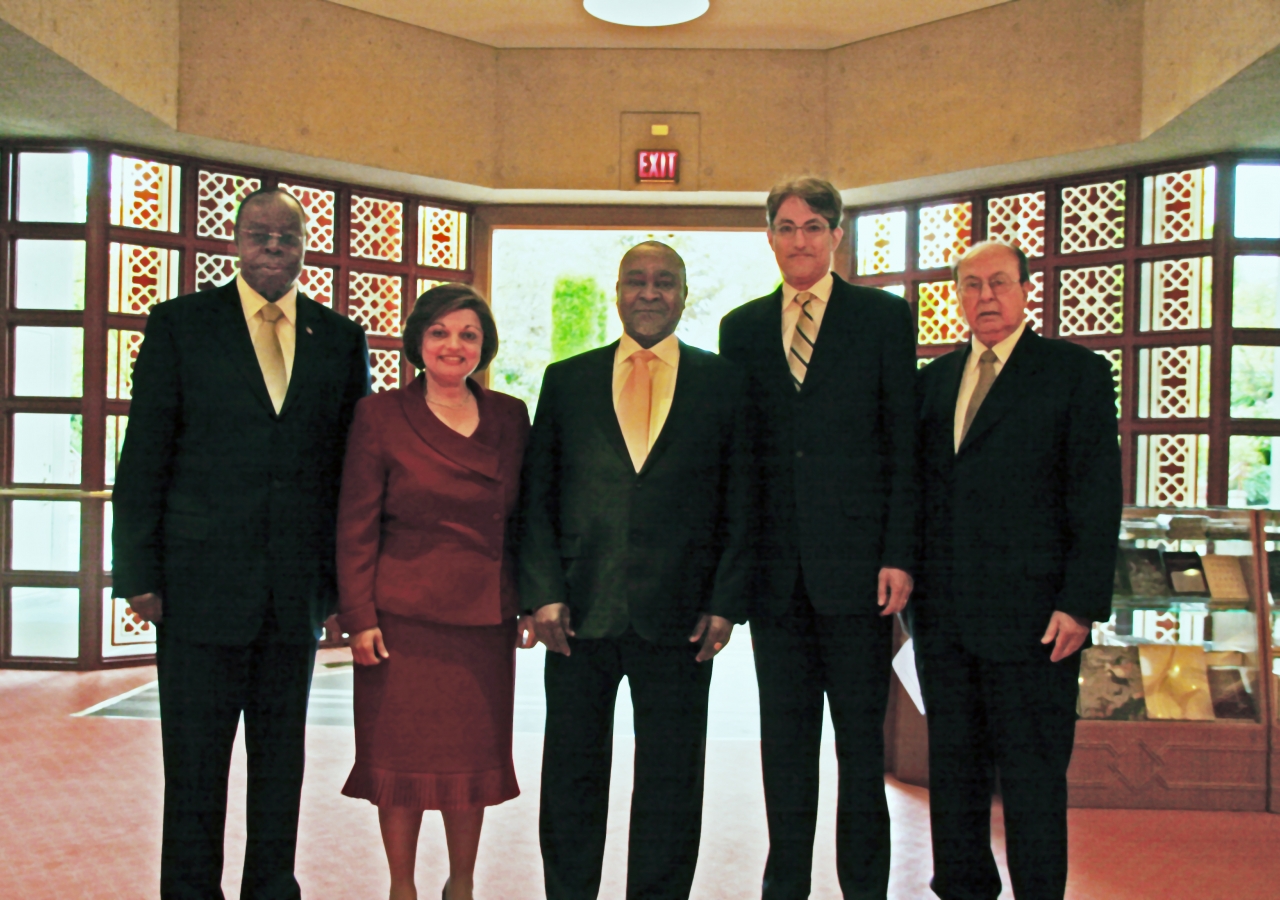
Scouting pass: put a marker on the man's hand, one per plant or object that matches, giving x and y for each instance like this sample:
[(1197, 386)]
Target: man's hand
[(526, 632), (551, 622), (148, 606), (1066, 633), (714, 633), (894, 591), (367, 647)]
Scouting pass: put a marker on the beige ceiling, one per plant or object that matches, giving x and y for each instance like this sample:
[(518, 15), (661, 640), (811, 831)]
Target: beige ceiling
[(729, 24)]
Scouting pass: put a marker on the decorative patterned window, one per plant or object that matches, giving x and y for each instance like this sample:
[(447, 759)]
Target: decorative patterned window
[(146, 194), (938, 314), (1176, 294), (442, 237), (1173, 382), (218, 196), (1172, 469), (377, 228), (122, 353), (945, 233), (1178, 206), (1091, 300), (1093, 217), (882, 242), (215, 269), (1018, 219), (1035, 303), (320, 206), (317, 283), (1115, 356), (375, 302), (384, 369), (140, 277)]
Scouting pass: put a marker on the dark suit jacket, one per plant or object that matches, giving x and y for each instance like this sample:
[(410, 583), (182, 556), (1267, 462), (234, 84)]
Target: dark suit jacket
[(1023, 520), (221, 504), (670, 540), (835, 462), (423, 515)]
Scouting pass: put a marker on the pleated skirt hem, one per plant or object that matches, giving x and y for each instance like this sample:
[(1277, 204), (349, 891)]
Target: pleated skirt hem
[(421, 790)]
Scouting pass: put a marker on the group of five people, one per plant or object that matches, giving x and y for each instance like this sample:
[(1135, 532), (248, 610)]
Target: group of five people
[(806, 479)]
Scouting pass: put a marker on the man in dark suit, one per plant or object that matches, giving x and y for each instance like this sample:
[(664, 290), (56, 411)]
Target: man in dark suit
[(832, 387), (1021, 478), (634, 547), (225, 502)]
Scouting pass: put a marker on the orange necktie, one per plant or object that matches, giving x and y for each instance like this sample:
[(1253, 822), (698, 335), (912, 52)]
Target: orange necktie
[(634, 405)]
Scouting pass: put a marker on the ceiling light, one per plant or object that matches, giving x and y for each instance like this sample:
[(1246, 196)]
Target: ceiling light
[(649, 14)]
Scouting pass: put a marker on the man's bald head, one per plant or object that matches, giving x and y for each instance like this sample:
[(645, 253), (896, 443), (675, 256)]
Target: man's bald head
[(651, 292)]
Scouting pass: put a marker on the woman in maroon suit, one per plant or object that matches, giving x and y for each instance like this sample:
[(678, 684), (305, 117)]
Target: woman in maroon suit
[(427, 588)]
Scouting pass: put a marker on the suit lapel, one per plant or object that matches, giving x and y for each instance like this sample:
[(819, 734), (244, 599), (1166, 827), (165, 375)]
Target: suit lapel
[(1016, 379), (837, 323), (599, 396), (687, 377), (306, 352), (474, 452), (768, 342), (229, 328)]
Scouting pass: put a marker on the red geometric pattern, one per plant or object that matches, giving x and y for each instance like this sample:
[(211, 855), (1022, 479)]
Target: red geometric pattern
[(145, 194), (882, 242), (945, 233), (122, 353), (321, 207), (938, 315), (1018, 219), (374, 301), (1090, 300), (1174, 382), (127, 627), (1178, 206), (141, 277), (214, 269), (384, 369), (218, 196), (442, 237), (1172, 469), (1093, 217), (377, 228), (1177, 294), (317, 283)]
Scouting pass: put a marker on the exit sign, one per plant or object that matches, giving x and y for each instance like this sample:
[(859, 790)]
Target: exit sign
[(657, 165)]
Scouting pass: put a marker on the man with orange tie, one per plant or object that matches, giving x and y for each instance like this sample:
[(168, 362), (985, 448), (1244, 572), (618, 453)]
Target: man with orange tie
[(831, 368), (632, 557)]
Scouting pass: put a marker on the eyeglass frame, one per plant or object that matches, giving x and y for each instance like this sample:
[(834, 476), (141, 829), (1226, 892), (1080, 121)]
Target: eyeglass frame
[(972, 285), (286, 239)]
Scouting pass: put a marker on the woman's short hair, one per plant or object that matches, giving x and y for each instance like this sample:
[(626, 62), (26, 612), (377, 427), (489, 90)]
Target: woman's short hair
[(437, 303), (821, 195)]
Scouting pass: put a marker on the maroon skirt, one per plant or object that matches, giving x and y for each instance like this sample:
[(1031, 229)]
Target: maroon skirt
[(433, 721)]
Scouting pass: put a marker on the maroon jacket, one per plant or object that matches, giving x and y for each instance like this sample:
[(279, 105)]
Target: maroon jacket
[(424, 513)]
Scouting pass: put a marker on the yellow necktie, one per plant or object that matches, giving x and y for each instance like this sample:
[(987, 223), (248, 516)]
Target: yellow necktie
[(801, 349), (266, 343), (634, 406), (986, 377)]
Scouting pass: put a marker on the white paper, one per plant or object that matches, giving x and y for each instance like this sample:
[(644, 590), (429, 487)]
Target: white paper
[(904, 664)]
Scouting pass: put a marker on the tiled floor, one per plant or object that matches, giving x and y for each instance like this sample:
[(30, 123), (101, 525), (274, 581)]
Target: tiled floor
[(82, 814)]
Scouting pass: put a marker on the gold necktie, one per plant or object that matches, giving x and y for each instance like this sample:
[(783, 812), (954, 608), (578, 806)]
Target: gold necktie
[(266, 343), (986, 377), (801, 349), (635, 404)]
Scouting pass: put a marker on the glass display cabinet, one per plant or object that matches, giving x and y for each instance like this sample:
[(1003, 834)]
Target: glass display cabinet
[(1174, 692)]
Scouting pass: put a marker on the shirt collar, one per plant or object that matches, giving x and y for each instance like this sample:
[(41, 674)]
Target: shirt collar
[(821, 291), (251, 301), (667, 349), (1001, 350)]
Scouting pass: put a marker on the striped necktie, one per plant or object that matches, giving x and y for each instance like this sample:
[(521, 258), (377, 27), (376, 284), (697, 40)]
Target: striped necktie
[(801, 349)]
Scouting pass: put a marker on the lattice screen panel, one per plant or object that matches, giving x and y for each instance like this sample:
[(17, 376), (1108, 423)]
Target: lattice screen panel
[(214, 269), (1018, 219), (374, 301), (882, 242), (384, 369), (1116, 358), (122, 353), (1093, 217), (1176, 294), (1172, 469), (322, 208), (377, 228), (1178, 206), (317, 283), (218, 195), (140, 277), (127, 627), (442, 237), (938, 315), (945, 233), (145, 194), (1035, 303), (1173, 382), (1090, 300)]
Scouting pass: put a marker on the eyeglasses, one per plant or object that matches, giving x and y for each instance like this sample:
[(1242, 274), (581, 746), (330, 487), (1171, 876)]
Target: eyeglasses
[(999, 284), (262, 238), (787, 231)]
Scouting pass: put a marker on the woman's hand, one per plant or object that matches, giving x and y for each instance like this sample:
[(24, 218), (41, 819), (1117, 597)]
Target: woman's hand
[(367, 647), (526, 633)]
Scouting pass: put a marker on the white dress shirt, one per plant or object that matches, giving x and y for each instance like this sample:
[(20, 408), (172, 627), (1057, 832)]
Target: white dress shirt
[(662, 371), (970, 379)]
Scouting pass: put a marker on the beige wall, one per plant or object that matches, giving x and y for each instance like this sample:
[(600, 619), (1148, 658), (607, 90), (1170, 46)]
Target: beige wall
[(131, 46), (1191, 47)]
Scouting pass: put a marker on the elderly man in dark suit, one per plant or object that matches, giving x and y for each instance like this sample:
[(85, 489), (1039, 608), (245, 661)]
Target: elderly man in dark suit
[(225, 503), (832, 387), (635, 539), (1021, 477)]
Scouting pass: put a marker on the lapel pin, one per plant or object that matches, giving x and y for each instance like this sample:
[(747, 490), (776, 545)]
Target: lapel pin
[(309, 331)]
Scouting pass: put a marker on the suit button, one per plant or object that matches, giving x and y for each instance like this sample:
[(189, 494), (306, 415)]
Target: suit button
[(799, 454)]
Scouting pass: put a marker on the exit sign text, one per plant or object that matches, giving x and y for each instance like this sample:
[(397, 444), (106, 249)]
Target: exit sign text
[(657, 165)]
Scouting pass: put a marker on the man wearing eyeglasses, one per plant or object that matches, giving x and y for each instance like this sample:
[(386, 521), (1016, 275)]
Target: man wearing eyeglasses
[(1020, 470), (832, 386), (225, 502)]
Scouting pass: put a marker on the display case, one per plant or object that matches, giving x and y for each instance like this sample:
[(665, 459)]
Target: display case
[(1175, 692)]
